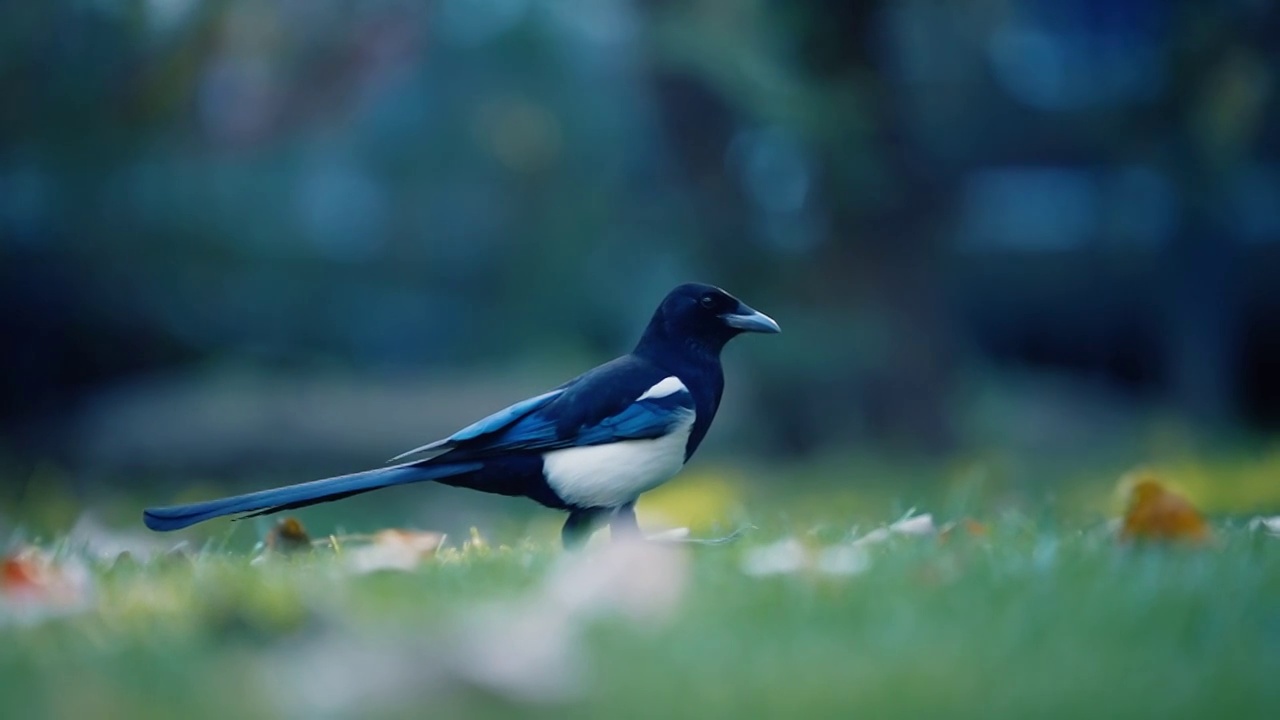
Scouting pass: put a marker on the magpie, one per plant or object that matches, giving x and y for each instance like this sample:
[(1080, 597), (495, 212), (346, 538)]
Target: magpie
[(590, 447)]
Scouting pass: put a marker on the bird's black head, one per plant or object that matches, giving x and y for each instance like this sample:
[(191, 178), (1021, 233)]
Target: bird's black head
[(703, 317)]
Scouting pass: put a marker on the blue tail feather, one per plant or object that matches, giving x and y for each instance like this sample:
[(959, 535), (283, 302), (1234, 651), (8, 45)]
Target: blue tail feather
[(265, 502)]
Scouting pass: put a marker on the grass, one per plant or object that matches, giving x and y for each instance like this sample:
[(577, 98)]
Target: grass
[(1032, 619)]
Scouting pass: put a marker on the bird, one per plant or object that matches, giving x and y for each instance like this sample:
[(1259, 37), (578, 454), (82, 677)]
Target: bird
[(589, 447)]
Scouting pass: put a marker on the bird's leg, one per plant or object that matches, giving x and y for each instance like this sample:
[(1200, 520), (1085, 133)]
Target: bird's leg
[(578, 528), (623, 524)]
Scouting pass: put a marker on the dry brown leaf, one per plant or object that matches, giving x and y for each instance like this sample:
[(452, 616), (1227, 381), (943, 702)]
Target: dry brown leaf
[(1157, 513), (288, 536)]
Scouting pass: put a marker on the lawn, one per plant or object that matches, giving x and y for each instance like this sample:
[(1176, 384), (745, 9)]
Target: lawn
[(1015, 615)]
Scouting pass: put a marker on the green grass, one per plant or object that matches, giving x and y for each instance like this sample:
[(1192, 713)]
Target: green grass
[(1035, 619)]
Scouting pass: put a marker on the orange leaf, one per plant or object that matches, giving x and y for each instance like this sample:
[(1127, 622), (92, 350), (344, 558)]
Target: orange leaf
[(394, 550), (421, 541), (30, 579), (288, 536), (20, 573), (971, 528), (1157, 513)]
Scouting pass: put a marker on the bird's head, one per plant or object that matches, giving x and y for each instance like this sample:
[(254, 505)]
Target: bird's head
[(704, 316)]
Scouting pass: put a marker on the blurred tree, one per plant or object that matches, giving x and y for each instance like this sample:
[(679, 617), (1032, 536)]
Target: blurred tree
[(381, 186), (811, 70), (1209, 117)]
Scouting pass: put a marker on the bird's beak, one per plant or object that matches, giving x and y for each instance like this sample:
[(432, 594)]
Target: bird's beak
[(749, 320)]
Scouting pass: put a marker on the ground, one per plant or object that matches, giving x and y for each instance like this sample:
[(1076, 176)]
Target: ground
[(981, 611)]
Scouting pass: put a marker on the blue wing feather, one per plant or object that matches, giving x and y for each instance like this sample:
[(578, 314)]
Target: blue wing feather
[(484, 426), (541, 430), (599, 407), (648, 418), (502, 418)]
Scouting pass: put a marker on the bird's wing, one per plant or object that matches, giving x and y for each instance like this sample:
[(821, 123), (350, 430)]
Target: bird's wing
[(627, 399), (491, 424), (595, 413)]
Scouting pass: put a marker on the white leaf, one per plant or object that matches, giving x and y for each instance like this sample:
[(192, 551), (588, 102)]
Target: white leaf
[(843, 560), (914, 525), (780, 558), (1270, 525), (874, 537), (670, 535)]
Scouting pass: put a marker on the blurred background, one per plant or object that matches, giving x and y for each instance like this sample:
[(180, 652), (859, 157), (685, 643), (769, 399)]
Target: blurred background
[(250, 242)]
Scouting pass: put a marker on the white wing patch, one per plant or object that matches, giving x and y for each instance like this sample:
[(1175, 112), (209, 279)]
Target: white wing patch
[(669, 385), (617, 473)]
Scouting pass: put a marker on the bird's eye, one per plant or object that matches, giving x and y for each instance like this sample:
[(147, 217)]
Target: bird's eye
[(707, 301)]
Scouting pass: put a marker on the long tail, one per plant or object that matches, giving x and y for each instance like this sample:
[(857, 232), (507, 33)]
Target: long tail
[(265, 502)]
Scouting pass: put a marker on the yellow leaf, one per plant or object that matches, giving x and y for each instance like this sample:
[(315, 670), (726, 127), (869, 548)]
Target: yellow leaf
[(1157, 513)]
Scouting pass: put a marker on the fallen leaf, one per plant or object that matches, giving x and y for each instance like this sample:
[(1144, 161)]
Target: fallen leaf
[(914, 525), (874, 537), (529, 649), (789, 556), (1157, 513), (20, 573), (681, 535), (1269, 525), (968, 526), (842, 560), (34, 587), (784, 557), (288, 536), (671, 535), (393, 550), (420, 541)]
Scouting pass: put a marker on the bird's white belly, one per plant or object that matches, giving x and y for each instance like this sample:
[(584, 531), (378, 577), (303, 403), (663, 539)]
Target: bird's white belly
[(617, 473)]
